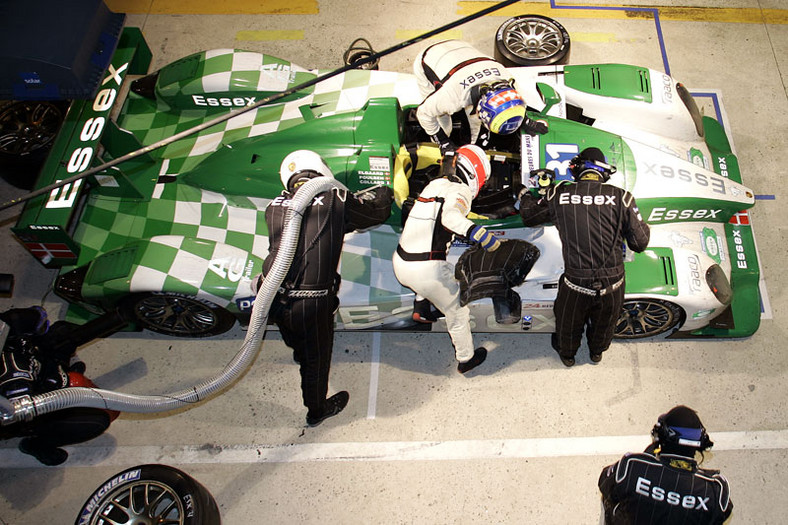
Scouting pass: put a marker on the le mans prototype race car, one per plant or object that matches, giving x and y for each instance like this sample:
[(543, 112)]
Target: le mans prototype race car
[(174, 237)]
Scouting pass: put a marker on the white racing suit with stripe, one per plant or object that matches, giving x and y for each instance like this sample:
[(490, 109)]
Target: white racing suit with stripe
[(449, 74), (439, 213)]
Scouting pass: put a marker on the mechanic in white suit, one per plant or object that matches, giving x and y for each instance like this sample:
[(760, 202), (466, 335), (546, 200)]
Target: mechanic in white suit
[(439, 213), (454, 76)]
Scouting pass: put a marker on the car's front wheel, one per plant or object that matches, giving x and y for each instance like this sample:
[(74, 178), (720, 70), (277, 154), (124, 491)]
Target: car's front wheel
[(646, 318), (177, 314), (531, 40), (149, 494)]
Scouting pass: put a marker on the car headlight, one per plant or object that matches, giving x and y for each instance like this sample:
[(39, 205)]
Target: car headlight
[(719, 285)]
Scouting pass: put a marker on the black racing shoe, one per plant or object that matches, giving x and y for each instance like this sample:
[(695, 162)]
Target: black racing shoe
[(334, 405), (595, 358), (48, 456), (425, 312), (479, 355), (567, 361)]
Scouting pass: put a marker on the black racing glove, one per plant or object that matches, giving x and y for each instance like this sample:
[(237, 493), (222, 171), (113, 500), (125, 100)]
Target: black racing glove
[(443, 140), (534, 127), (380, 195), (19, 370)]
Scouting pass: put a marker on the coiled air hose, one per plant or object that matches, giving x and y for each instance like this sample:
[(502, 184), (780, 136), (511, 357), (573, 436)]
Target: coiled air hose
[(26, 408)]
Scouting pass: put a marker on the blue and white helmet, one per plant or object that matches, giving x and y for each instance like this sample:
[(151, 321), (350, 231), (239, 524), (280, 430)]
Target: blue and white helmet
[(501, 108), (300, 166)]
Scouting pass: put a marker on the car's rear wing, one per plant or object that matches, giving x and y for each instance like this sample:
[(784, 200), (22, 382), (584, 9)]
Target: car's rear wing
[(87, 135)]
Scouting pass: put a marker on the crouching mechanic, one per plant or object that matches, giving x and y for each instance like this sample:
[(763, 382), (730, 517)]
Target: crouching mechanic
[(37, 359), (664, 484), (439, 213), (593, 219), (454, 76), (305, 305)]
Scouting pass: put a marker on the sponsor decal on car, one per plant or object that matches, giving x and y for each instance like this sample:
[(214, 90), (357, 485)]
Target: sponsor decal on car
[(682, 175), (741, 255), (202, 100), (89, 136), (668, 214), (712, 244)]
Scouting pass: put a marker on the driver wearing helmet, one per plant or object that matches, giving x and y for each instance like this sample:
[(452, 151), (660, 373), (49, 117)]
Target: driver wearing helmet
[(454, 76), (593, 220), (305, 305), (438, 215), (664, 484)]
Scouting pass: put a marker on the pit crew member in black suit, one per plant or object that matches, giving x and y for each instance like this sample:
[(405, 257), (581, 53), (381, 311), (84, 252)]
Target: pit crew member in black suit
[(664, 484), (439, 213), (305, 306), (37, 358), (593, 220), (453, 76)]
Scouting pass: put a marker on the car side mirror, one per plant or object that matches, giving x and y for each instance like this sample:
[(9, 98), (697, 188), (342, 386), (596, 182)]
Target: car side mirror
[(549, 96)]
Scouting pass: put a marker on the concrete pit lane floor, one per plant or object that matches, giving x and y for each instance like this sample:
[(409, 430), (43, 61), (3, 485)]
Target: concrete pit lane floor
[(522, 439)]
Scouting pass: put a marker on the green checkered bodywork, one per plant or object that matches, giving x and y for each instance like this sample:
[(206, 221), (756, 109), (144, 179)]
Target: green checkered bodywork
[(189, 217)]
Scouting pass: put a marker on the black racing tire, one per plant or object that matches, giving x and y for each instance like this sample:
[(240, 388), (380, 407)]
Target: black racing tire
[(641, 318), (148, 494), (27, 131), (531, 40), (176, 314)]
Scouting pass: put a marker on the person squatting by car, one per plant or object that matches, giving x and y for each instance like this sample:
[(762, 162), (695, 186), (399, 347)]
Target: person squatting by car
[(664, 484), (38, 358), (305, 305), (593, 219), (453, 76), (438, 214)]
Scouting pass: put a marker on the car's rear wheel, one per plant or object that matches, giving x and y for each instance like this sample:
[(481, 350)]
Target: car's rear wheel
[(531, 40), (177, 314), (149, 494), (646, 318), (27, 129)]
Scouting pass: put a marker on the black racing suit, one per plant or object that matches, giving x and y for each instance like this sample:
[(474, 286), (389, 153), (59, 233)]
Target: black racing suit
[(305, 306), (650, 489), (35, 361), (593, 220)]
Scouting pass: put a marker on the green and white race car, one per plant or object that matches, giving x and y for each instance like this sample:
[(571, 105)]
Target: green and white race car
[(174, 237)]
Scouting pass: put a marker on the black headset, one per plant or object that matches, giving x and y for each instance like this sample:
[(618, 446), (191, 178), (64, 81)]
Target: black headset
[(579, 165), (681, 436)]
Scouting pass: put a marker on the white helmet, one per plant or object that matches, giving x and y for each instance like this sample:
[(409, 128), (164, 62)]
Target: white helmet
[(301, 165), (473, 167)]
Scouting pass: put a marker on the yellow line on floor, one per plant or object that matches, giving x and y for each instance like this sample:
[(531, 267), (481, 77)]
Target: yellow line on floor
[(690, 14), (407, 34), (258, 36), (214, 7)]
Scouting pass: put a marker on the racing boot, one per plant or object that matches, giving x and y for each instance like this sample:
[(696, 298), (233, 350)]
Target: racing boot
[(425, 312), (46, 455), (333, 406), (479, 355)]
